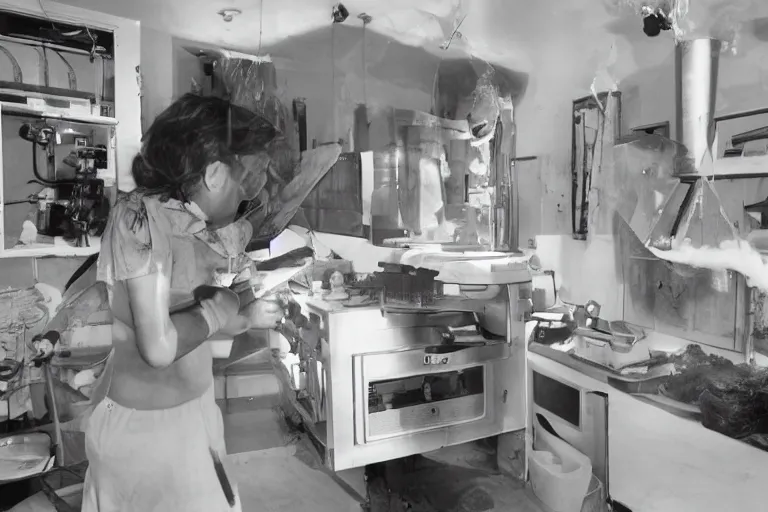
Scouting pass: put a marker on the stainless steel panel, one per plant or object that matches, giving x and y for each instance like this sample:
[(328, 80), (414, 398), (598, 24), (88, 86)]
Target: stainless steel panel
[(358, 334), (415, 362), (397, 422), (597, 407), (410, 408)]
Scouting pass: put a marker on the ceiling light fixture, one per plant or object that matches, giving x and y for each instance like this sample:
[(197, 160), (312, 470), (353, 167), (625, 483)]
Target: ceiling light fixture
[(229, 14), (339, 13)]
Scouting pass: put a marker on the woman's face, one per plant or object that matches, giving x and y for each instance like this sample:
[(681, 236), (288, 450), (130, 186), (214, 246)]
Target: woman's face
[(252, 174), (240, 182)]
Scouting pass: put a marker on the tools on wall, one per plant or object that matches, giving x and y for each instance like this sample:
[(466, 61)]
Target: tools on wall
[(78, 207), (595, 126)]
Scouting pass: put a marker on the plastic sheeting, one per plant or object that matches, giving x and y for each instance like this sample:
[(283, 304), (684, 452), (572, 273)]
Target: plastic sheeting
[(346, 65)]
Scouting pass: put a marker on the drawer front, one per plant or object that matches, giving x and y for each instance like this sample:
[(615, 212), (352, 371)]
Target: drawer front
[(439, 396), (397, 422), (429, 360)]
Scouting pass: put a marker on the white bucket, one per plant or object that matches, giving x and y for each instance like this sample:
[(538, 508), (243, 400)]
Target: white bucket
[(559, 473)]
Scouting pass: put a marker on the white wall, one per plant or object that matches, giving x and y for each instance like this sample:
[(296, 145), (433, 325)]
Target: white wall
[(572, 53), (157, 73), (326, 69)]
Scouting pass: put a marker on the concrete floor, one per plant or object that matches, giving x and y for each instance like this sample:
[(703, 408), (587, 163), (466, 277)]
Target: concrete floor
[(249, 429), (274, 470), (274, 480)]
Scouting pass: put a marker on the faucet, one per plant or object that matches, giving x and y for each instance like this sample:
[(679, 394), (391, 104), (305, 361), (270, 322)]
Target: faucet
[(619, 335)]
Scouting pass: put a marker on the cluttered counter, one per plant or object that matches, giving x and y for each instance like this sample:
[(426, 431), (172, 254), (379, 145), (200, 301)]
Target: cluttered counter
[(660, 461)]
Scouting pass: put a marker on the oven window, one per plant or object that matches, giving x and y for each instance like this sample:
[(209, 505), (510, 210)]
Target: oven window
[(424, 389), (557, 398)]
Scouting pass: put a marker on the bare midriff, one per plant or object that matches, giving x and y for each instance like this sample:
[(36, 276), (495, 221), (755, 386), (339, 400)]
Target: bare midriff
[(137, 385)]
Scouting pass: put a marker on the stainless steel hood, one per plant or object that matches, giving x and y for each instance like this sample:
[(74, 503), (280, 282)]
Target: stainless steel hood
[(663, 188)]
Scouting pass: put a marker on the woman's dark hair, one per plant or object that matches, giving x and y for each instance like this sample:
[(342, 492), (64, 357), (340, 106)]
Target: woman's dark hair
[(192, 133)]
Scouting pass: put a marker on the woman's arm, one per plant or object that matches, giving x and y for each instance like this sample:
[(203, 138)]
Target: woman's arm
[(136, 252), (163, 337)]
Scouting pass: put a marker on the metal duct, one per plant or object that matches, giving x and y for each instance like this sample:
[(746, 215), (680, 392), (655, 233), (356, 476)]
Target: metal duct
[(696, 68), (651, 187)]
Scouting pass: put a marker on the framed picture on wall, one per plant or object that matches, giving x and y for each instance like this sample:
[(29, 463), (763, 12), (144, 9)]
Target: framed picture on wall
[(653, 129), (596, 124)]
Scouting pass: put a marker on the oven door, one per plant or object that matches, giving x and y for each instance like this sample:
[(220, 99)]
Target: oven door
[(577, 415), (403, 392)]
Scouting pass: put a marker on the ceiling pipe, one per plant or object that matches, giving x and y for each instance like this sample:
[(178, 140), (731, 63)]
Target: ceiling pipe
[(696, 70)]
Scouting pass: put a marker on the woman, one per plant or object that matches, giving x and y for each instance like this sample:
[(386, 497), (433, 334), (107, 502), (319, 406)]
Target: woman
[(153, 441)]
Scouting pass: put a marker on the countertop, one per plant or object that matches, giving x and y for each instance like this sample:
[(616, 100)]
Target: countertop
[(660, 462)]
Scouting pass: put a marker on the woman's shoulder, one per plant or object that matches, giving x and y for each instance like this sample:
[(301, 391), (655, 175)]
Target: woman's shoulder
[(133, 244), (136, 200), (135, 212)]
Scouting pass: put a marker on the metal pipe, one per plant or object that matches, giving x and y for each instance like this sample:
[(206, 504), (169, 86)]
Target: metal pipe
[(696, 69), (56, 47)]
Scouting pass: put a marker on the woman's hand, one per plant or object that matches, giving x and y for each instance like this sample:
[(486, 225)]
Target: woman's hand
[(265, 313), (223, 304), (238, 324)]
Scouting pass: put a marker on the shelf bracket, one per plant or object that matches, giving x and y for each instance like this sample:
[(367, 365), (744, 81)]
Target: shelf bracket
[(17, 75)]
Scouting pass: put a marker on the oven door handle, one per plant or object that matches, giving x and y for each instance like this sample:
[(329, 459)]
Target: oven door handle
[(463, 354), (381, 365), (446, 335), (450, 349)]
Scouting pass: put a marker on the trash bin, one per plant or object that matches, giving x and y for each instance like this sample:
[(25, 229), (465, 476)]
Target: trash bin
[(594, 501)]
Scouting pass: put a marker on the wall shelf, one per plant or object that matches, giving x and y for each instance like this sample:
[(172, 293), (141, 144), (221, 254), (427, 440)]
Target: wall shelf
[(15, 184), (734, 168), (741, 167), (26, 110), (70, 115), (126, 62), (60, 248)]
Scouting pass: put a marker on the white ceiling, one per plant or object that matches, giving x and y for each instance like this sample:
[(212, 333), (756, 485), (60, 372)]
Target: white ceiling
[(198, 19), (509, 32)]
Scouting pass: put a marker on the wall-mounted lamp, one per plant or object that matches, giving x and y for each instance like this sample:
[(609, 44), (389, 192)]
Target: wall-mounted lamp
[(229, 14)]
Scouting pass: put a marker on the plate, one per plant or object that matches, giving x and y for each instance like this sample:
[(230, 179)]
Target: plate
[(24, 455)]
